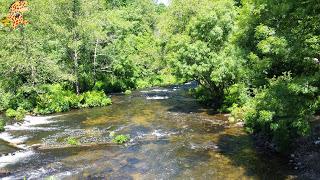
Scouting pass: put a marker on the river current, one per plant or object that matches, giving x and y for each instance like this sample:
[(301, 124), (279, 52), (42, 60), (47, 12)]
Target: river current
[(171, 137)]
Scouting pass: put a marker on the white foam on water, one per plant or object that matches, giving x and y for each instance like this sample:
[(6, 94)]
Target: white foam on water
[(30, 122), (157, 97), (21, 128), (159, 133), (37, 173), (9, 178), (36, 120), (159, 90), (13, 140), (193, 146), (14, 158), (64, 174)]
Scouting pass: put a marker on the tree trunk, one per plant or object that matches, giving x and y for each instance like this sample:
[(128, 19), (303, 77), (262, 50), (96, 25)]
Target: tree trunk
[(75, 61), (75, 15), (95, 60)]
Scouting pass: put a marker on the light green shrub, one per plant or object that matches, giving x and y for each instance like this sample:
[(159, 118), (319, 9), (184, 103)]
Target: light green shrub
[(121, 139), (96, 98), (18, 114), (5, 98), (73, 141), (56, 99), (128, 92)]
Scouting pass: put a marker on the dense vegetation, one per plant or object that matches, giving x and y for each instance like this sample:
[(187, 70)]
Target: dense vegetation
[(73, 52), (258, 59)]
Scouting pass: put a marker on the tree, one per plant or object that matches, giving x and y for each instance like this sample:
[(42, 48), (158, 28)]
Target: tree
[(199, 46)]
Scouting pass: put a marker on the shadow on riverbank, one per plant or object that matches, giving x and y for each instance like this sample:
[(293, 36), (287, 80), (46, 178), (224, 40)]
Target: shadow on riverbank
[(241, 151)]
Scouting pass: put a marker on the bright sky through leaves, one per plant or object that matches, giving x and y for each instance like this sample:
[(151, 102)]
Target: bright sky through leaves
[(166, 2)]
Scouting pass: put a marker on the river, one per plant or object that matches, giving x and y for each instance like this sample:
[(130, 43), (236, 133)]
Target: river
[(171, 137)]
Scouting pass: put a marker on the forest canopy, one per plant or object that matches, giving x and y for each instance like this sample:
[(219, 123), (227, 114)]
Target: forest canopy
[(257, 59)]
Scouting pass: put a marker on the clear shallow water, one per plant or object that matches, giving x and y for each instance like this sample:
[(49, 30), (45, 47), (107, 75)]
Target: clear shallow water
[(172, 137)]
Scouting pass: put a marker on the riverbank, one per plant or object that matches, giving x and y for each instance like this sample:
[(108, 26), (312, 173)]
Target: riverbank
[(306, 157)]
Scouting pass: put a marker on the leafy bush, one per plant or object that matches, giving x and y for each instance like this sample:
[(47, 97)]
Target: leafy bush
[(11, 113), (26, 98), (282, 110), (121, 139), (202, 94), (56, 99), (2, 124), (235, 96), (237, 113), (47, 99), (99, 86), (128, 92), (96, 98), (73, 141), (18, 114), (5, 98)]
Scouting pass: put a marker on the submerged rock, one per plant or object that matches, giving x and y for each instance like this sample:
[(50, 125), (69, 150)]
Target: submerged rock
[(204, 146)]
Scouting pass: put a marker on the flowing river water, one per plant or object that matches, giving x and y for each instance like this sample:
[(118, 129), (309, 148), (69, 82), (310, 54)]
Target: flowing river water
[(171, 137)]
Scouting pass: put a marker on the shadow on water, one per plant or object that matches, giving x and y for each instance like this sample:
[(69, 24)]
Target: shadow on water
[(240, 150)]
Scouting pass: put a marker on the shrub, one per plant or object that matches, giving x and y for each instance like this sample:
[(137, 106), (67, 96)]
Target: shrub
[(128, 92), (282, 110), (203, 95), (26, 104), (73, 141), (11, 113), (235, 96), (25, 98), (56, 99), (237, 113), (121, 139), (99, 86), (96, 98), (18, 114), (2, 124), (4, 100), (48, 99)]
